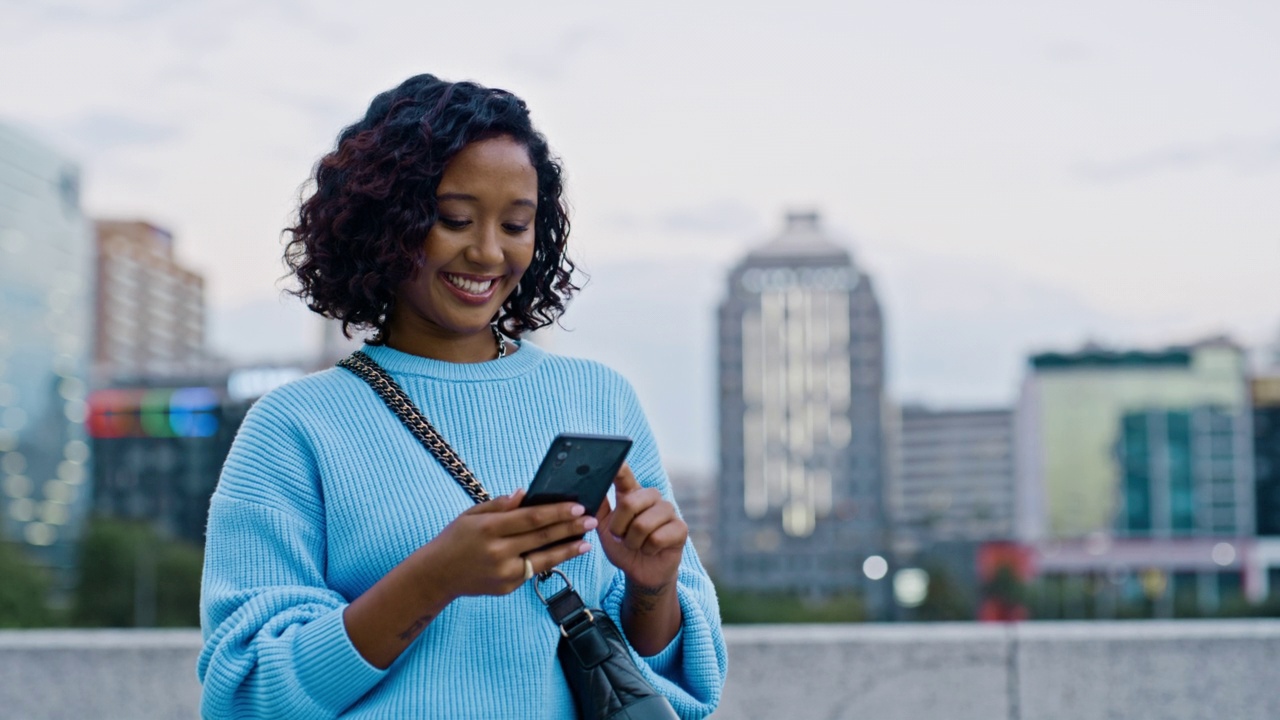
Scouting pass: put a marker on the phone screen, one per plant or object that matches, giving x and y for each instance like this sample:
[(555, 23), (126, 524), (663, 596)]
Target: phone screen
[(578, 468)]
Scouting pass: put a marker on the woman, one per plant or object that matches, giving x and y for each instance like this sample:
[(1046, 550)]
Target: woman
[(346, 572)]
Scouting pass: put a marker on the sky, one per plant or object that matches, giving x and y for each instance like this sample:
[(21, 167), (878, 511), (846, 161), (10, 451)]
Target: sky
[(1014, 177)]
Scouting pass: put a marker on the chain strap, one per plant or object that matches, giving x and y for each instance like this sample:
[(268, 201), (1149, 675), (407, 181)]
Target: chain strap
[(367, 369)]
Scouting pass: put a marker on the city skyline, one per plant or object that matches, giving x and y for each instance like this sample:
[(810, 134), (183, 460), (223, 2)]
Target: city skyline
[(1018, 179)]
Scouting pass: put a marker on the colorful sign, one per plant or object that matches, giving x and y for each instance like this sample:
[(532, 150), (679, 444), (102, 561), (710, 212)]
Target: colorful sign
[(153, 412)]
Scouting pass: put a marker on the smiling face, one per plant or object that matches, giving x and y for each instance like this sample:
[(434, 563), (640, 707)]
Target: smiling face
[(473, 256)]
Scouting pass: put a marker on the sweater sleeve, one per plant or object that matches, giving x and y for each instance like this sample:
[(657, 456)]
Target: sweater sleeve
[(275, 644), (690, 671)]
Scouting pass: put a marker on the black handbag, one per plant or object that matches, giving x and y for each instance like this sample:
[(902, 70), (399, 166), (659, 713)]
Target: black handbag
[(603, 677)]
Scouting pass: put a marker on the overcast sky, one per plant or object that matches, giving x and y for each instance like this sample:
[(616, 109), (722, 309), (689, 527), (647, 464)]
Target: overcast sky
[(1014, 176)]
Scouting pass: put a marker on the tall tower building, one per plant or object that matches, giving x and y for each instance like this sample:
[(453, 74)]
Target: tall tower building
[(801, 367), (150, 309), (46, 255)]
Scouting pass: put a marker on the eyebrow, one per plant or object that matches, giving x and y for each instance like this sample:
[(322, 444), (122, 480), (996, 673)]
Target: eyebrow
[(472, 198)]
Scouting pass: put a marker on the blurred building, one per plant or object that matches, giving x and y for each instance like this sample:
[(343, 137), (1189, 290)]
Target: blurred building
[(695, 494), (150, 310), (159, 447), (46, 276), (1266, 453), (1136, 482), (801, 370), (953, 478), (1185, 472), (1071, 429), (951, 490)]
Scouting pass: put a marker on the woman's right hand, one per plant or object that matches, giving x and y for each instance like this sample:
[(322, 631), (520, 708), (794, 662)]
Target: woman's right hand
[(482, 552)]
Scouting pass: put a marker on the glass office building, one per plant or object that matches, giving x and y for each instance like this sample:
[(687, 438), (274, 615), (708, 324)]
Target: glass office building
[(46, 282), (1185, 472), (1072, 424)]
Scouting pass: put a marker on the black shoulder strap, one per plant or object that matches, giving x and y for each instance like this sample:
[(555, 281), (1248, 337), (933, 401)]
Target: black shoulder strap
[(367, 369)]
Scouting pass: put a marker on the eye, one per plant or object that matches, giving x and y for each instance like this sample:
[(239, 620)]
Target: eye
[(515, 229), (454, 223)]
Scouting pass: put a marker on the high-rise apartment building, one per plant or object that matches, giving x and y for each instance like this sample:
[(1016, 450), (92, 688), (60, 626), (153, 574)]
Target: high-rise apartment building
[(150, 310), (953, 477), (46, 255), (801, 370)]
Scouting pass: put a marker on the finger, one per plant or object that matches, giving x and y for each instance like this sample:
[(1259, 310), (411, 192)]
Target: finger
[(519, 521), (501, 503), (645, 523), (671, 535), (630, 506), (625, 480), (544, 560), (576, 527)]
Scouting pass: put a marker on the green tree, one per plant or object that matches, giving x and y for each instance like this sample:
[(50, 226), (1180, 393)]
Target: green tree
[(946, 599), (741, 607), (24, 591), (129, 575)]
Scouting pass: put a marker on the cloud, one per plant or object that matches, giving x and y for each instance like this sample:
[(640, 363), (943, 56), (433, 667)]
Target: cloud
[(106, 131), (279, 329), (550, 63), (66, 13), (1239, 154), (717, 217), (1068, 51), (324, 112)]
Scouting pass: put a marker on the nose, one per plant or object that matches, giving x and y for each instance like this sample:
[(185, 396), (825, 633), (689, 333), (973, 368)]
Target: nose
[(485, 249)]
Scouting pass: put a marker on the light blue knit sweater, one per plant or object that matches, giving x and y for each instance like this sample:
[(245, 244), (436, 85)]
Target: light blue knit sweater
[(324, 492)]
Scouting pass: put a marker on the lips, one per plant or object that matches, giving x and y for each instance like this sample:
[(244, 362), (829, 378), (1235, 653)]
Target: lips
[(474, 289)]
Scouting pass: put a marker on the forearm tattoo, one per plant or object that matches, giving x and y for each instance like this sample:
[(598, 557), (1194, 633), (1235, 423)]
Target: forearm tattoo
[(417, 627)]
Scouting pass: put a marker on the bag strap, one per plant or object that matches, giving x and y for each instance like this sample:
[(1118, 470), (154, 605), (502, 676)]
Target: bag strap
[(368, 369), (568, 611)]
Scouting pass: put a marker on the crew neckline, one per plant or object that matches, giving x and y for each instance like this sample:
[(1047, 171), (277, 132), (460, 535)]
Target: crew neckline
[(518, 363)]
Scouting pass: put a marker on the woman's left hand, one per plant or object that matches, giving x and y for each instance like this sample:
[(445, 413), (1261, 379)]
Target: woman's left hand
[(643, 536)]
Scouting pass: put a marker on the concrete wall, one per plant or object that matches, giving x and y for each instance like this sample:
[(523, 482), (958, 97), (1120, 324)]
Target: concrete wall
[(1182, 670), (1224, 670)]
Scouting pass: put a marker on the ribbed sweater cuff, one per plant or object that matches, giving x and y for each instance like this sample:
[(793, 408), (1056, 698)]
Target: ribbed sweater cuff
[(330, 669)]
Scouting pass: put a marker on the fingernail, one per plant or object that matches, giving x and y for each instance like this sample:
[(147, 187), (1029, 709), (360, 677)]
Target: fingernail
[(584, 548), (578, 510), (590, 523), (616, 538)]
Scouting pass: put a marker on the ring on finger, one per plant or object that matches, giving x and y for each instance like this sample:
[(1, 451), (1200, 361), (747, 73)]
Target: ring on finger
[(528, 569)]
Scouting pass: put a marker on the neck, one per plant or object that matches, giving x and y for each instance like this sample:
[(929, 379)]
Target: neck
[(471, 348)]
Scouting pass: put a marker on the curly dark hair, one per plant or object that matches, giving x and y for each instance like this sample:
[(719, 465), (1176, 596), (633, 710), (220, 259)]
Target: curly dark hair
[(360, 233)]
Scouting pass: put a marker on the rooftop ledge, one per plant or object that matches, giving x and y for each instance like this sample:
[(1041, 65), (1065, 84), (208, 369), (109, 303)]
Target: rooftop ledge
[(1024, 671)]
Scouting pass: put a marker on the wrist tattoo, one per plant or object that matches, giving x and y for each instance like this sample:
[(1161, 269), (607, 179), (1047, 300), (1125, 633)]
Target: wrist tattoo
[(416, 628), (644, 598)]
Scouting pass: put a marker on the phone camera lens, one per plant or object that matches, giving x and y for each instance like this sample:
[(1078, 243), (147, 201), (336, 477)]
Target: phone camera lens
[(562, 455)]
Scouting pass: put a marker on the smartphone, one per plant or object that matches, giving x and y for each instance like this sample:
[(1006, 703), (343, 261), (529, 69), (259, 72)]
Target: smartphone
[(578, 468)]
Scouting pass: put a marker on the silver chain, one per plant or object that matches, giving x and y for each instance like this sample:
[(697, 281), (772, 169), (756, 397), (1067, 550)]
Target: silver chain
[(502, 342)]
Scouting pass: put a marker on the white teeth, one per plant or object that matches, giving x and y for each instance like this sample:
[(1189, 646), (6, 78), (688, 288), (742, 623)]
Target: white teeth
[(470, 286)]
